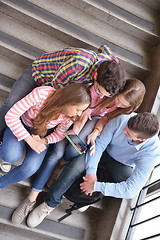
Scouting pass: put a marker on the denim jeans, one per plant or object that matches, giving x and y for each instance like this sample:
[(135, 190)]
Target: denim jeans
[(108, 170), (20, 89), (70, 173), (10, 151), (56, 152)]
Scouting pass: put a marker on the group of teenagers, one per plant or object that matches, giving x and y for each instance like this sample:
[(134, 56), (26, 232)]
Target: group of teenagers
[(85, 93)]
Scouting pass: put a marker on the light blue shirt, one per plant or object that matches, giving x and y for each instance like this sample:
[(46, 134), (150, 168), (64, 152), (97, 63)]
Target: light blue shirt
[(141, 156)]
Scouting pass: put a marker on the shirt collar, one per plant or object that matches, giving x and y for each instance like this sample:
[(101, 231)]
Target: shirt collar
[(137, 145)]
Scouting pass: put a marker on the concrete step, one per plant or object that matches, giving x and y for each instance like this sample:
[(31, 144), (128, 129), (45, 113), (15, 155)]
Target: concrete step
[(79, 18), (145, 9), (89, 35), (120, 17), (6, 83), (10, 68), (29, 35), (154, 5), (77, 226), (7, 231)]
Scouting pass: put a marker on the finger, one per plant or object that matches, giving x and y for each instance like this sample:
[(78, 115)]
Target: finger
[(91, 147), (89, 116)]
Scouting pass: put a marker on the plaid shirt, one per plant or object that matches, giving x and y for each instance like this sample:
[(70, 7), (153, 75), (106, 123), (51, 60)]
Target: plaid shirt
[(69, 65)]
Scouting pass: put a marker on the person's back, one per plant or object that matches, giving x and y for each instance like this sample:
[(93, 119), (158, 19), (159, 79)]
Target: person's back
[(131, 140), (61, 68)]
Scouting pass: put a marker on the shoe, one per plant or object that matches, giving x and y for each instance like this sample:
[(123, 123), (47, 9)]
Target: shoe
[(83, 209), (22, 211), (5, 166), (38, 215)]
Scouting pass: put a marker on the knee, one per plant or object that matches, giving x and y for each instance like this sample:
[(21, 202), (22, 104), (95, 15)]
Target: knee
[(28, 170), (10, 157), (54, 156), (77, 165), (70, 153)]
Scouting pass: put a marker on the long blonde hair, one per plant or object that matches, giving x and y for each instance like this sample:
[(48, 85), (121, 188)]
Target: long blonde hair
[(56, 103), (133, 92)]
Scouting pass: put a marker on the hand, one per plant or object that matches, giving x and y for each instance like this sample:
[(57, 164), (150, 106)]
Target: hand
[(86, 115), (78, 125), (36, 143), (91, 140), (88, 185)]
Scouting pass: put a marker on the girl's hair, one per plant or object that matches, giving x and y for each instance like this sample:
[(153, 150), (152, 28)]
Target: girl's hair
[(56, 103), (133, 92)]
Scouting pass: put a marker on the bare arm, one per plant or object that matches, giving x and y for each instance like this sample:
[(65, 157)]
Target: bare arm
[(36, 143), (96, 132)]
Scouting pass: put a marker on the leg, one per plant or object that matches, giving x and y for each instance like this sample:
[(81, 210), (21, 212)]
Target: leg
[(11, 150), (70, 173), (29, 166), (54, 154), (87, 129), (115, 171), (21, 88)]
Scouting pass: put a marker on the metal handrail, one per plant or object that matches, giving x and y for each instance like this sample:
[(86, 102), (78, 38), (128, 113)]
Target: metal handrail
[(139, 204)]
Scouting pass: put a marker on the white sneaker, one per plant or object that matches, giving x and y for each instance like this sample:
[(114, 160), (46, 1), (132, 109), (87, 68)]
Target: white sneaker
[(5, 166), (83, 209), (38, 215)]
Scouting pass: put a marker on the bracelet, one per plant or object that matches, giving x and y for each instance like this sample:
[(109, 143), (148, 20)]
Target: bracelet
[(99, 132)]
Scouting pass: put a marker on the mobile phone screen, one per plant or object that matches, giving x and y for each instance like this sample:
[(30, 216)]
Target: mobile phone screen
[(77, 143)]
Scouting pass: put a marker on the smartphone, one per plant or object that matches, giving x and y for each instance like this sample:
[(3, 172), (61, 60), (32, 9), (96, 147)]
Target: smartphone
[(77, 143)]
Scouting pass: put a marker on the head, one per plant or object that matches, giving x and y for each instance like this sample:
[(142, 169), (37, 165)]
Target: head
[(142, 126), (128, 100), (132, 95), (110, 76), (70, 100)]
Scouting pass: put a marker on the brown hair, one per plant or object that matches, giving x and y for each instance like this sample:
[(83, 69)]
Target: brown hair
[(111, 76), (55, 104), (133, 92), (146, 124)]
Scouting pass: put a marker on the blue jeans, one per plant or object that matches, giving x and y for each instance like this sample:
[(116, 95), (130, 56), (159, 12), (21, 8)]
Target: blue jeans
[(109, 170), (70, 173), (56, 152), (10, 151), (20, 89)]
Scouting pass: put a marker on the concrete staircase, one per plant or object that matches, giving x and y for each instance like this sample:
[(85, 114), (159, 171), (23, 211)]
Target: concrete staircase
[(28, 28)]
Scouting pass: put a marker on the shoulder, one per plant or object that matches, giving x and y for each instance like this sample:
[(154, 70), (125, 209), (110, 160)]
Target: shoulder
[(106, 52), (43, 90), (122, 119)]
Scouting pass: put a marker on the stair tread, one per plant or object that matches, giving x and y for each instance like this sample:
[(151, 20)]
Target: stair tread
[(97, 38), (47, 229)]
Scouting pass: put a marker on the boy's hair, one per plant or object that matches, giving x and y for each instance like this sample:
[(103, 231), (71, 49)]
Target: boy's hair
[(111, 76), (146, 124)]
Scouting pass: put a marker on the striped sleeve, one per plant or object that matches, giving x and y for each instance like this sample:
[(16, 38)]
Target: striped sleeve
[(59, 131), (12, 117)]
